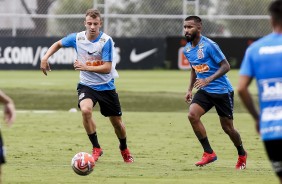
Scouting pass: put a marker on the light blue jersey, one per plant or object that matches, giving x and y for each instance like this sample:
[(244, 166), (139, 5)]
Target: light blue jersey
[(263, 61), (92, 53), (205, 59)]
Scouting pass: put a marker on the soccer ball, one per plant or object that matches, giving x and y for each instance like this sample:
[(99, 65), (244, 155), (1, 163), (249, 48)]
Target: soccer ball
[(82, 163)]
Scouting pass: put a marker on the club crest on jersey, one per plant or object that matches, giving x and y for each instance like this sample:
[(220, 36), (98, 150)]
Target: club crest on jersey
[(201, 45), (102, 40), (200, 54), (80, 38), (188, 49)]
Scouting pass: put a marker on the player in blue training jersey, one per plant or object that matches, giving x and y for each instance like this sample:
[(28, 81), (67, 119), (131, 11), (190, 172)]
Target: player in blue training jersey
[(208, 75), (263, 61), (96, 63)]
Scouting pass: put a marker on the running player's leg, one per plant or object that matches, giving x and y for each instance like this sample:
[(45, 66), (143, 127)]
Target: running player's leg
[(121, 135), (199, 106), (89, 124), (86, 102), (110, 107), (224, 107)]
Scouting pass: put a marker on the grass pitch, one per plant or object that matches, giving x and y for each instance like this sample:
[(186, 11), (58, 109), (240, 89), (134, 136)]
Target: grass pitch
[(40, 145)]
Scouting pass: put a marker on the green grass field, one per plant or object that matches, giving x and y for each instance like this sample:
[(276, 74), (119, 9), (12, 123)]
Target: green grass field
[(40, 145)]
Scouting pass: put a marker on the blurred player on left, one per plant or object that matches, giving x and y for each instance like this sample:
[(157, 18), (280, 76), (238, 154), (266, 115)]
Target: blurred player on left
[(9, 118)]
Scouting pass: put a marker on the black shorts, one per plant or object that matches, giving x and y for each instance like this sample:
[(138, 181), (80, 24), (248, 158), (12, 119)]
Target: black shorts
[(274, 153), (223, 103), (108, 100), (2, 151)]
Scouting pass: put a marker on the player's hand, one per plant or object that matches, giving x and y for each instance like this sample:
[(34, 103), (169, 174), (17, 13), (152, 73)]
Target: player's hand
[(188, 97), (44, 66), (79, 65), (200, 83), (9, 113)]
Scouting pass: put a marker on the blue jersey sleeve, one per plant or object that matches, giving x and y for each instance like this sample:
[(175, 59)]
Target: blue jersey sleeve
[(246, 66), (215, 52), (107, 52), (69, 41)]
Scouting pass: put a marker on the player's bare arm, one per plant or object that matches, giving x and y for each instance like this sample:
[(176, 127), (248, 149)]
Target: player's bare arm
[(224, 68), (44, 65), (246, 97), (104, 68), (189, 95)]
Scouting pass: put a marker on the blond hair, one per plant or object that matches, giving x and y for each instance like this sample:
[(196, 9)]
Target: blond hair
[(94, 13)]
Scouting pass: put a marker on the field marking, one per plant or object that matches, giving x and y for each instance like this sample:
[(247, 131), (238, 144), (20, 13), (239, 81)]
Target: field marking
[(72, 110), (36, 111)]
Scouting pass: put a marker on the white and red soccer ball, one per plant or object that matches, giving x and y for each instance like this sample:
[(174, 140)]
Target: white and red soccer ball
[(82, 163)]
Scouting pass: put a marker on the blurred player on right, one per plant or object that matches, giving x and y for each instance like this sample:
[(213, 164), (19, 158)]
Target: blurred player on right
[(263, 61)]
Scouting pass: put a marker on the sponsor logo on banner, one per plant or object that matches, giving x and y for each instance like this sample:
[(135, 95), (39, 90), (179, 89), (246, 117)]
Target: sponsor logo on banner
[(135, 58), (183, 63), (26, 55), (32, 55)]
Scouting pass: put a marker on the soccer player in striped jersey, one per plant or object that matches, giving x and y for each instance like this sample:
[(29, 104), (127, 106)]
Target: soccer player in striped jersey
[(96, 63)]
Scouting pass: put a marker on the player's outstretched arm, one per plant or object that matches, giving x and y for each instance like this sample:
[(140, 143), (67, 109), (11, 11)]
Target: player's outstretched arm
[(9, 108), (44, 65)]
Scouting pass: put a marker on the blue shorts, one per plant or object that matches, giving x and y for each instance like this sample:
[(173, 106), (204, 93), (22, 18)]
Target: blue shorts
[(223, 103), (108, 100)]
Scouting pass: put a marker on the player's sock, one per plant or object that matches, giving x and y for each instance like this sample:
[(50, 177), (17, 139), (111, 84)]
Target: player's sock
[(94, 140), (241, 150), (206, 145), (123, 144)]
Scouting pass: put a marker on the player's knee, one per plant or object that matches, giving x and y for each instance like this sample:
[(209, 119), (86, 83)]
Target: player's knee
[(193, 117), (118, 125), (227, 129), (86, 111)]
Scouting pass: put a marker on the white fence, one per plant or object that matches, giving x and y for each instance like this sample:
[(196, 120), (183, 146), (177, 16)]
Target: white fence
[(134, 18)]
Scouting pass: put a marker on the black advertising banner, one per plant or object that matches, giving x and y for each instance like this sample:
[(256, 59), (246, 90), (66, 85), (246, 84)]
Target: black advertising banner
[(233, 49), (132, 53), (26, 53)]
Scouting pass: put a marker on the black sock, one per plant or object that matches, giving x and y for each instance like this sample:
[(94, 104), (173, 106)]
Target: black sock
[(206, 145), (241, 150), (123, 144), (94, 140)]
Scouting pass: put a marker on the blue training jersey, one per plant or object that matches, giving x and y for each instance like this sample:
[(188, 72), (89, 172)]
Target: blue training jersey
[(102, 81), (205, 59), (263, 61)]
